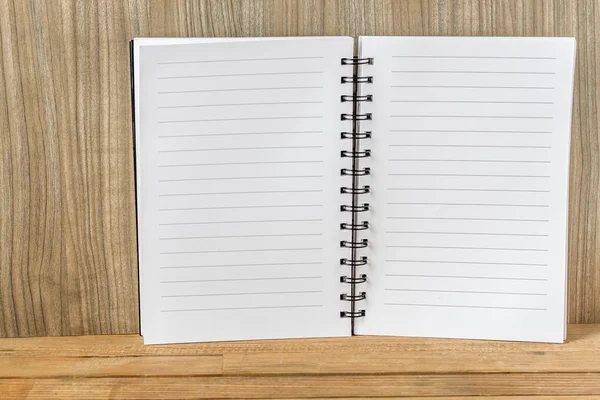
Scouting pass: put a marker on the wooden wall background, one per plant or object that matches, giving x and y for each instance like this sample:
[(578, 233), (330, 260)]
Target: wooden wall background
[(67, 212)]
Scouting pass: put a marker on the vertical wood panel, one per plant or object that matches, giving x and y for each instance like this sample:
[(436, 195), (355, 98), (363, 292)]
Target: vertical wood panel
[(67, 211), (67, 255)]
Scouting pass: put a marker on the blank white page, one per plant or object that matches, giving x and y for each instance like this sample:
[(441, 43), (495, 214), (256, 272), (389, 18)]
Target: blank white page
[(238, 189), (469, 185)]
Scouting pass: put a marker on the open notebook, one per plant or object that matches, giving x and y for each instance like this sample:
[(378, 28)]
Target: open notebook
[(287, 189)]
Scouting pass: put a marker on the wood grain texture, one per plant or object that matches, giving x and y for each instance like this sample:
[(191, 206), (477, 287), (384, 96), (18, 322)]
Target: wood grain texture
[(67, 222), (67, 207), (532, 385), (70, 367), (121, 367), (583, 338)]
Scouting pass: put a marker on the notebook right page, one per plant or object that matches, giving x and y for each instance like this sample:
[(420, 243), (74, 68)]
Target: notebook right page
[(470, 166)]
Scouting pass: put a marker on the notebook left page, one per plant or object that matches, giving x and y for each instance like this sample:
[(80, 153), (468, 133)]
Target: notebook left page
[(238, 189)]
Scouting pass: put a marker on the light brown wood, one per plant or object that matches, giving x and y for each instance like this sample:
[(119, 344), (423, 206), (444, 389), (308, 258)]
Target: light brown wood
[(67, 220), (307, 387), (468, 398), (582, 339), (121, 367), (69, 367), (67, 209)]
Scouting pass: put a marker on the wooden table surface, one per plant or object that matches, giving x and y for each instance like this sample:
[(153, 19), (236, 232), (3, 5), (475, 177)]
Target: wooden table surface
[(120, 367)]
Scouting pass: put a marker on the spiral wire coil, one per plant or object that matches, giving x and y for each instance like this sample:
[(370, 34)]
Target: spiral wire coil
[(355, 172)]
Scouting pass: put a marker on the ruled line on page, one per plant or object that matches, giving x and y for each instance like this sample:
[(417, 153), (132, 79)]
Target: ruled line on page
[(483, 57), (239, 134), (242, 207), (242, 90), (466, 233), (242, 294), (475, 87), (472, 190), (244, 74), (471, 102), (492, 146), (465, 306), (467, 248), (242, 163), (242, 308), (464, 291), (250, 192), (475, 219), (469, 160), (240, 104), (241, 265), (239, 119), (243, 250), (470, 277), (469, 204), (243, 222), (472, 116), (243, 148), (268, 278), (473, 72), (463, 131), (241, 178), (239, 60), (241, 236), (476, 175), (466, 262)]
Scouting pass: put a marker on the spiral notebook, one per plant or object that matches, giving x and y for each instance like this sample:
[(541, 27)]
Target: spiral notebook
[(289, 189)]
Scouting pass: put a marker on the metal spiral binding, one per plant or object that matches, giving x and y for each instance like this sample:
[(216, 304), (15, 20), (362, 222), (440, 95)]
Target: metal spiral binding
[(355, 172), (356, 135), (359, 227), (348, 279), (357, 79), (358, 297), (353, 314), (363, 190), (354, 245), (357, 117), (357, 61), (345, 98), (354, 208), (354, 262), (357, 154)]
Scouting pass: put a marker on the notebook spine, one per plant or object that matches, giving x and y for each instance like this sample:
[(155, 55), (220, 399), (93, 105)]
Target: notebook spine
[(354, 207)]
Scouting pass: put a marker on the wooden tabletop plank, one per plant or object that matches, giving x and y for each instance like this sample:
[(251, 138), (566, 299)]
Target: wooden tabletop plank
[(460, 398), (122, 367), (124, 355), (69, 367), (458, 360), (581, 338), (417, 385)]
